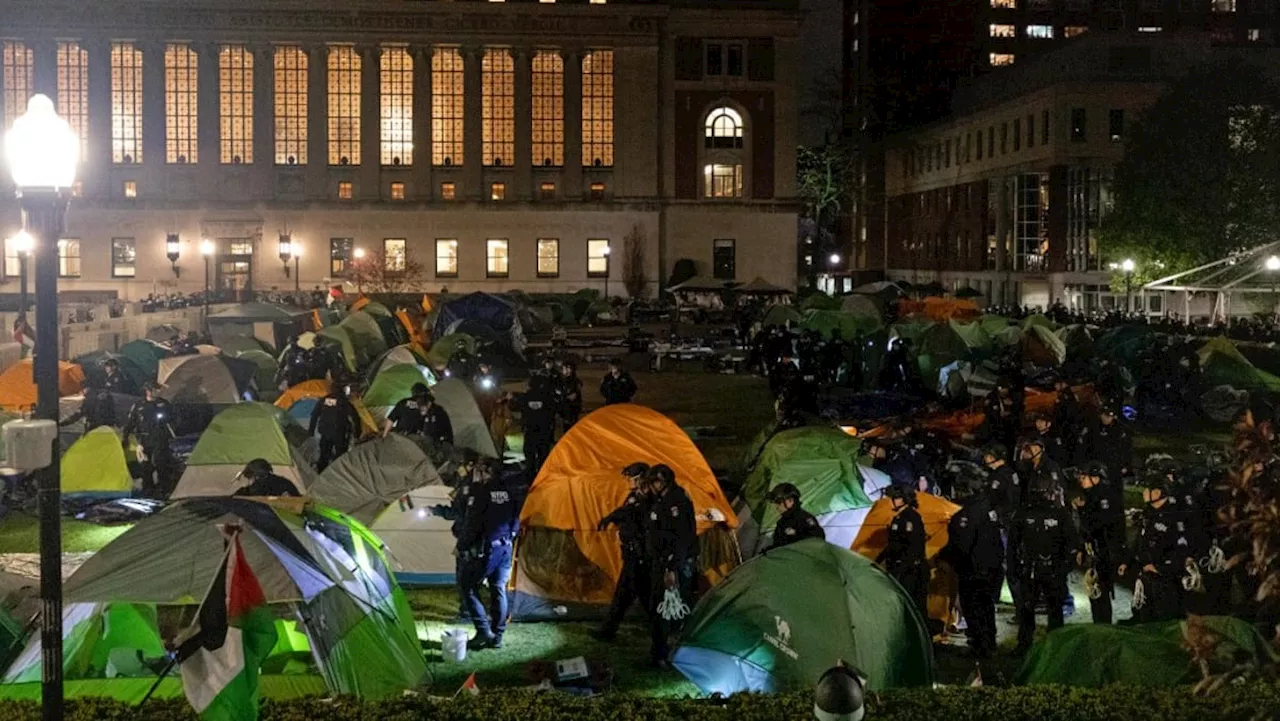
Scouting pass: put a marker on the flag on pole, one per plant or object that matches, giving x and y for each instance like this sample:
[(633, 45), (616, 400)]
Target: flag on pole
[(470, 686), (220, 654)]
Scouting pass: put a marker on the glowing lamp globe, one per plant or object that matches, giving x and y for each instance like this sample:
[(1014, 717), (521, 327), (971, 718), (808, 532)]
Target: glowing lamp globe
[(1273, 263), (206, 248), (23, 243), (1127, 266), (41, 148)]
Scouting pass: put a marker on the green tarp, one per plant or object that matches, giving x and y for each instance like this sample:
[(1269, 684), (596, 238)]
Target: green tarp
[(95, 465), (1223, 365), (821, 461), (780, 620), (394, 384), (145, 356), (1151, 654), (850, 325)]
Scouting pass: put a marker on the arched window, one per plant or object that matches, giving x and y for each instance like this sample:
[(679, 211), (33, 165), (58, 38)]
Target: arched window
[(724, 129), (723, 154)]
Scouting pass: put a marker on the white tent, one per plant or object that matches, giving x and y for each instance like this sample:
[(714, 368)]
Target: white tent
[(419, 542)]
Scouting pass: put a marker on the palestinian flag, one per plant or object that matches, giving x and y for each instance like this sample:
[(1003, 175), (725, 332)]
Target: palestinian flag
[(223, 651)]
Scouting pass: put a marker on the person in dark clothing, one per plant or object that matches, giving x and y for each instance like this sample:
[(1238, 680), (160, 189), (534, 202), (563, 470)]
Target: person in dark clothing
[(295, 365), (1002, 418), (671, 550), (1044, 537), (1068, 417), (1037, 472), (1055, 444), (98, 409), (634, 583), (337, 422), (569, 395), (486, 386), (152, 420), (1161, 551), (263, 481), (1109, 440), (116, 382), (490, 524), (409, 415), (618, 386), (975, 550), (1003, 488), (537, 408), (903, 556), (794, 523), (1100, 508)]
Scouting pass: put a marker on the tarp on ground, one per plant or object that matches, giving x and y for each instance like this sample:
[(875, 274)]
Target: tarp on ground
[(373, 475), (782, 619), (1148, 654), (18, 387), (561, 557), (236, 436), (850, 325), (393, 384), (359, 627), (216, 379), (470, 429), (1042, 346), (489, 310), (95, 466), (780, 315), (1223, 365)]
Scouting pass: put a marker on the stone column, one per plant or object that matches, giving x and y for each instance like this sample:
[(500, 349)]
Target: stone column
[(522, 177), (153, 117), (98, 162), (573, 124), (369, 186), (472, 125), (207, 103), (422, 188), (317, 124), (1004, 263), (264, 116)]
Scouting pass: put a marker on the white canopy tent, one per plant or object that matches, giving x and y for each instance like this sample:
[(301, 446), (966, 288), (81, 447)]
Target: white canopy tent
[(1246, 272)]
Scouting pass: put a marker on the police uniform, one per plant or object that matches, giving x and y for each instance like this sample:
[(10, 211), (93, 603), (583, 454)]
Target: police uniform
[(436, 424), (1044, 537), (336, 420), (538, 416), (1101, 513), (1039, 477), (1111, 444), (619, 389), (796, 524), (408, 417), (1164, 541), (489, 528), (117, 383), (975, 550), (904, 556), (634, 583), (1003, 491), (152, 421), (569, 399), (671, 546)]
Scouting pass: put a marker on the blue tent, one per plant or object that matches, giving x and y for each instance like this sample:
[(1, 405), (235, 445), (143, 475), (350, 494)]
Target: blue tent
[(482, 309)]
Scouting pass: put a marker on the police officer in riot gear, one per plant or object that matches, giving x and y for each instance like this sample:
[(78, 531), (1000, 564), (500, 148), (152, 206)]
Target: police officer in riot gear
[(1045, 538), (1055, 444), (634, 583), (1107, 439), (1002, 487), (1099, 504), (1036, 471), (152, 420), (671, 549), (490, 524), (975, 550), (263, 481), (295, 365), (1161, 551), (537, 409), (794, 523), (114, 381), (409, 415), (337, 421), (904, 553)]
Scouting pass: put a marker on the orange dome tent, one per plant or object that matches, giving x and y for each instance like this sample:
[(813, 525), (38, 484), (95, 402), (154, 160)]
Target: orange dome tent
[(564, 567), (18, 387), (936, 513)]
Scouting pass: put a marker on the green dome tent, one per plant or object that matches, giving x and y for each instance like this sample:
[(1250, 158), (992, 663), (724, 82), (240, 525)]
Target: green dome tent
[(366, 337), (850, 325), (264, 375), (1122, 344), (1223, 365), (939, 346), (443, 349), (374, 475), (1149, 654), (1042, 346), (780, 620), (823, 463), (236, 436), (400, 355), (394, 384), (216, 379), (1038, 320), (993, 324), (470, 430), (819, 301), (780, 314), (95, 375), (146, 356), (1077, 339), (973, 335), (338, 335), (95, 466), (240, 343)]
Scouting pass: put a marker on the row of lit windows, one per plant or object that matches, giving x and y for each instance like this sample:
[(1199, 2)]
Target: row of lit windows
[(68, 258), (344, 98), (1261, 7), (1035, 32), (395, 257)]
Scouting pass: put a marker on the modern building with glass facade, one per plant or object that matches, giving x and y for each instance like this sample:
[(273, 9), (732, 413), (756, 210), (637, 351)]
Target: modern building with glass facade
[(494, 145)]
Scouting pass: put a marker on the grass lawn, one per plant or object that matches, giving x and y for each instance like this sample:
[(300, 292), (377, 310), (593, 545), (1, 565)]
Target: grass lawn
[(20, 533)]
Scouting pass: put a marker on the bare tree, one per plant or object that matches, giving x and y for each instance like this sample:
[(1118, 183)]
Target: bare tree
[(373, 274), (634, 278)]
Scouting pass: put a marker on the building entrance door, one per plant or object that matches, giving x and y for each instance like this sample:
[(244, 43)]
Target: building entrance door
[(235, 268)]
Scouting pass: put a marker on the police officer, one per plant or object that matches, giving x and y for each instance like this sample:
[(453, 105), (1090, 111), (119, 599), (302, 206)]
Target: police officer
[(1045, 539), (263, 481), (1099, 504), (114, 381), (537, 409), (634, 584), (295, 365), (618, 386), (337, 421), (1068, 417), (486, 386), (569, 395), (1107, 439), (975, 550), (1037, 472), (98, 409), (152, 420), (1054, 442), (794, 523), (1002, 419), (671, 549), (1002, 489), (491, 521), (904, 552), (408, 417), (1161, 552)]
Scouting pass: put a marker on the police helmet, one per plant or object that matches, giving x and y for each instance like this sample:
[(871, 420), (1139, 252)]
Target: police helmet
[(111, 363), (257, 468), (636, 470), (1155, 479), (1037, 417), (903, 492), (662, 473), (1093, 468), (782, 492), (995, 450), (419, 390), (840, 695), (151, 386)]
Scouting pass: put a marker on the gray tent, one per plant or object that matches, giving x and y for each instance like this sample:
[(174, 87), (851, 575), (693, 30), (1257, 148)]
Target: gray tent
[(272, 324), (373, 475), (206, 378), (470, 430)]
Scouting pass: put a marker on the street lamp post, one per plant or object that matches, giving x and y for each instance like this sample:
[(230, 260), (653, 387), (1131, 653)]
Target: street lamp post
[(608, 250), (359, 254), (1127, 266), (297, 268), (43, 151), (1273, 269), (206, 250), (23, 245)]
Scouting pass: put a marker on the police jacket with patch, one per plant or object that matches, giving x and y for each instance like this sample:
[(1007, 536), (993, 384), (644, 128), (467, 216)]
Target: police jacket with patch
[(630, 520), (974, 547), (1044, 476), (1103, 507), (492, 516), (334, 417), (1003, 491), (436, 424), (906, 543), (1110, 444), (152, 422), (407, 417), (1044, 538), (670, 530), (796, 524), (118, 383), (1165, 540), (618, 390), (537, 412)]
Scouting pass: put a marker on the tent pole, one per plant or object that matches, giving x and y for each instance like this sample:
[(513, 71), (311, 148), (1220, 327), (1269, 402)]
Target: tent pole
[(173, 661)]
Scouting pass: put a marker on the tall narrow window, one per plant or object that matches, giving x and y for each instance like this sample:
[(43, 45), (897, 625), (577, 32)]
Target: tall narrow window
[(446, 258), (124, 258), (497, 261), (291, 105), (181, 83), (597, 109), (69, 258), (126, 103), (235, 104), (548, 257), (19, 79), (344, 105), (73, 90), (396, 80), (499, 103), (395, 255), (447, 99), (340, 250), (724, 258), (722, 148), (597, 258), (548, 109)]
